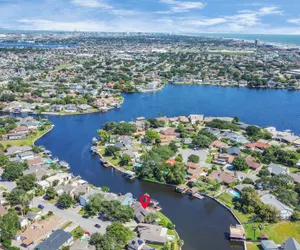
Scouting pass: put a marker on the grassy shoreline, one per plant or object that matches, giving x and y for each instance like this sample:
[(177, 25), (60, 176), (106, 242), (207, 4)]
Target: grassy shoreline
[(28, 141)]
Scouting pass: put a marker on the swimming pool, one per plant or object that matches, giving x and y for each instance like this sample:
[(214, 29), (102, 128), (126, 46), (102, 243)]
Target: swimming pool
[(48, 161), (234, 193)]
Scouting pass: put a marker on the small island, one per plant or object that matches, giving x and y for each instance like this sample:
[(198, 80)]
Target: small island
[(253, 172)]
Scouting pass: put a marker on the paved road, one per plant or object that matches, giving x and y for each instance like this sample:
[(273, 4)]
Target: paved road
[(69, 215)]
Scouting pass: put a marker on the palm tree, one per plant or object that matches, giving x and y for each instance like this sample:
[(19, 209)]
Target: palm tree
[(260, 227), (254, 228), (23, 201)]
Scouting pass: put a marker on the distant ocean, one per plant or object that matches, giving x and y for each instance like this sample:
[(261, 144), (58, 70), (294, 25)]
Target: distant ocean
[(278, 39)]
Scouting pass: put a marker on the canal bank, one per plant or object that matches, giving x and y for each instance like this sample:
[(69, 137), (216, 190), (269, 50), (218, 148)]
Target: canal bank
[(202, 224)]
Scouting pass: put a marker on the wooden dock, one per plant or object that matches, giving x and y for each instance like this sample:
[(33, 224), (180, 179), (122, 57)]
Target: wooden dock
[(197, 195)]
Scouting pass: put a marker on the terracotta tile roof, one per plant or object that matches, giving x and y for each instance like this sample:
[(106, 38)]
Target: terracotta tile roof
[(260, 145), (171, 161)]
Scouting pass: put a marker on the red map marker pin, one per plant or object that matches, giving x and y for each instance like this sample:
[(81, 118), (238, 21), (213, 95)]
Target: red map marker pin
[(145, 200)]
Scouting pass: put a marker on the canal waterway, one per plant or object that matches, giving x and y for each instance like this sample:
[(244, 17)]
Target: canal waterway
[(201, 223)]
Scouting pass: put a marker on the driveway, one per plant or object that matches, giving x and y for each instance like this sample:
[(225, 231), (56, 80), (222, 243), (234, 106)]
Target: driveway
[(202, 153), (8, 185), (69, 215)]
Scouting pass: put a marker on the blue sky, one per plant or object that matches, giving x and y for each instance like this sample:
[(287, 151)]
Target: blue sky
[(191, 16)]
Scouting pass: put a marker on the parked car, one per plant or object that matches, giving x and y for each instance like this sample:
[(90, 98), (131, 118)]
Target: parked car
[(41, 206), (76, 205), (97, 226)]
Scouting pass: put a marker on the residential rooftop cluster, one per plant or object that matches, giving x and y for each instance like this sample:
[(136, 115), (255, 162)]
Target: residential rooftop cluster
[(252, 171), (46, 207), (90, 76)]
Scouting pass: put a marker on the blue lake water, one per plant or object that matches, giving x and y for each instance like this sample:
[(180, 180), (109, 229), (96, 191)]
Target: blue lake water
[(202, 224)]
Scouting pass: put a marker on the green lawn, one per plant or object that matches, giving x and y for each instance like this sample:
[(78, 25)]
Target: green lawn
[(208, 159), (253, 246), (66, 225), (35, 209), (278, 232), (28, 141), (77, 232), (227, 200)]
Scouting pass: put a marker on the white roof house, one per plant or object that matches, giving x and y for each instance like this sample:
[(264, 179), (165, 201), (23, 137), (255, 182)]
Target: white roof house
[(285, 211)]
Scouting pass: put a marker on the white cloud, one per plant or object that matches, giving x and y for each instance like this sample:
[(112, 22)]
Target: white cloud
[(294, 21), (180, 6), (91, 4), (207, 21)]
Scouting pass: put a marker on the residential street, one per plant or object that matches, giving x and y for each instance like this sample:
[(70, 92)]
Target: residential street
[(69, 215)]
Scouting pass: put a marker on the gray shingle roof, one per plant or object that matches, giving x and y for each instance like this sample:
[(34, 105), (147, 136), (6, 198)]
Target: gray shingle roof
[(55, 240)]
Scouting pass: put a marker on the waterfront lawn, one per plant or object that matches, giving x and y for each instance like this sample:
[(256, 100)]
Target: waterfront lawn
[(278, 232), (28, 141), (113, 161), (227, 200)]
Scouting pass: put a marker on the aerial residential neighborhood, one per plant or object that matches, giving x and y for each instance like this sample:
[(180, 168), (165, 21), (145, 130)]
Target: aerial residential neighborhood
[(251, 171)]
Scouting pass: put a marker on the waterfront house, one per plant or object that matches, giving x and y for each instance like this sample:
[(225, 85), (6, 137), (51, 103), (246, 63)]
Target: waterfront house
[(84, 199), (36, 161), (196, 118), (290, 244), (138, 244), (57, 108), (56, 240), (15, 150), (240, 187), (285, 211), (221, 177), (26, 155), (61, 178), (275, 169), (183, 119), (84, 107), (152, 233), (139, 212), (269, 245), (70, 108)]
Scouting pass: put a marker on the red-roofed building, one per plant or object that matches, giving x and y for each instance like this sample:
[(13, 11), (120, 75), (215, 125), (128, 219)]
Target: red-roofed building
[(35, 161), (259, 145), (252, 164), (171, 131), (171, 161), (221, 177)]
